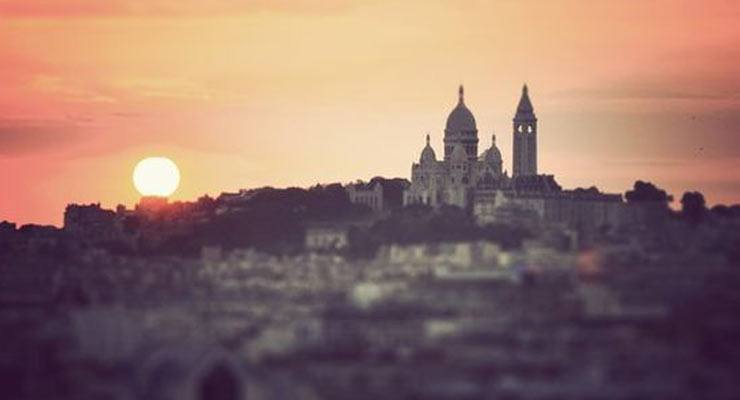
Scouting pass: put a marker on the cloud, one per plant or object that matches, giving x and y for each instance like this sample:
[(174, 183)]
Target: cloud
[(72, 90), (643, 91), (19, 137), (692, 74), (163, 8), (645, 162)]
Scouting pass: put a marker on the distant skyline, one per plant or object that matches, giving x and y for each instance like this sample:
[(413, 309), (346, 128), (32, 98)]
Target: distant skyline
[(283, 93)]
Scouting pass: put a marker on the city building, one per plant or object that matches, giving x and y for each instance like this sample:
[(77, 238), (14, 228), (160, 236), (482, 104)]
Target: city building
[(369, 194), (478, 182), (326, 237), (453, 179), (90, 223)]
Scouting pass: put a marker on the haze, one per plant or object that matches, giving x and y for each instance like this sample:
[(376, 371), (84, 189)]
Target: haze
[(246, 94)]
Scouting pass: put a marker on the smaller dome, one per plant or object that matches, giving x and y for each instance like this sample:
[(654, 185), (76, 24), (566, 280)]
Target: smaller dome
[(427, 155), (493, 154)]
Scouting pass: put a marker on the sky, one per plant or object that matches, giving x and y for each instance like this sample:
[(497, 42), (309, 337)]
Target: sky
[(242, 94)]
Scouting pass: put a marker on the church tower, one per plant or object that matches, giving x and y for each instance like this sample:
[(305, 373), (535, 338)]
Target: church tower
[(525, 137)]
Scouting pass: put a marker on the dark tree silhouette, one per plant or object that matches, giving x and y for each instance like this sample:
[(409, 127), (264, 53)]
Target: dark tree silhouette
[(726, 212), (275, 219), (647, 192), (721, 211), (693, 206)]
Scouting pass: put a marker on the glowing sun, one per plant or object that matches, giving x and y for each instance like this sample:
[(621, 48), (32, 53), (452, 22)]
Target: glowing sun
[(156, 176)]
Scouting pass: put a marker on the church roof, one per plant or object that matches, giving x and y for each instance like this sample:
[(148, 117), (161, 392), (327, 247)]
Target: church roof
[(525, 109), (461, 119), (490, 182), (541, 184)]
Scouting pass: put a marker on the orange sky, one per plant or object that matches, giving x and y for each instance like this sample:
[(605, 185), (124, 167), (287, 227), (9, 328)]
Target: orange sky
[(249, 93)]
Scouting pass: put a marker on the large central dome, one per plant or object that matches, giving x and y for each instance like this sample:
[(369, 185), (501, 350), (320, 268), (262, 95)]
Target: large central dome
[(461, 130), (461, 120)]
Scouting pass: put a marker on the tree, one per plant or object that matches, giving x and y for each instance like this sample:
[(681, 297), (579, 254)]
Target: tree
[(647, 192), (649, 204), (693, 206), (726, 212)]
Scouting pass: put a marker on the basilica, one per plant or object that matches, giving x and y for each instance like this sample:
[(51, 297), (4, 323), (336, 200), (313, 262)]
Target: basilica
[(455, 178), (478, 182)]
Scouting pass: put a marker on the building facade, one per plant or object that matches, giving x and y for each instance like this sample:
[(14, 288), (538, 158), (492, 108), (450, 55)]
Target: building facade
[(326, 238), (478, 182), (369, 194), (453, 179)]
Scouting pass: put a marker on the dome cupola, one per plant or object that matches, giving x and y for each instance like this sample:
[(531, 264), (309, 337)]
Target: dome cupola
[(492, 156), (461, 120), (461, 129), (427, 155), (492, 159)]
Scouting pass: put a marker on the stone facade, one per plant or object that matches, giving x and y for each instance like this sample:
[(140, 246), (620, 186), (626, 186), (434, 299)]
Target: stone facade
[(453, 179), (583, 209), (464, 179), (369, 194)]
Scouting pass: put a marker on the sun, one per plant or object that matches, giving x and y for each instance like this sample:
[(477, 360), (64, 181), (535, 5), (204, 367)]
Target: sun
[(156, 176)]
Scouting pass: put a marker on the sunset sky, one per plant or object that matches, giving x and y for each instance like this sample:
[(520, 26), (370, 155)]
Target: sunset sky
[(243, 94)]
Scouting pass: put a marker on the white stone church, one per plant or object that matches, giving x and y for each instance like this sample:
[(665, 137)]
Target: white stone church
[(477, 182)]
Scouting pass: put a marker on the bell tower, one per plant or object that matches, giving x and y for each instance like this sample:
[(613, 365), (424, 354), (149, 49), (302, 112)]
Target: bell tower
[(525, 137)]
